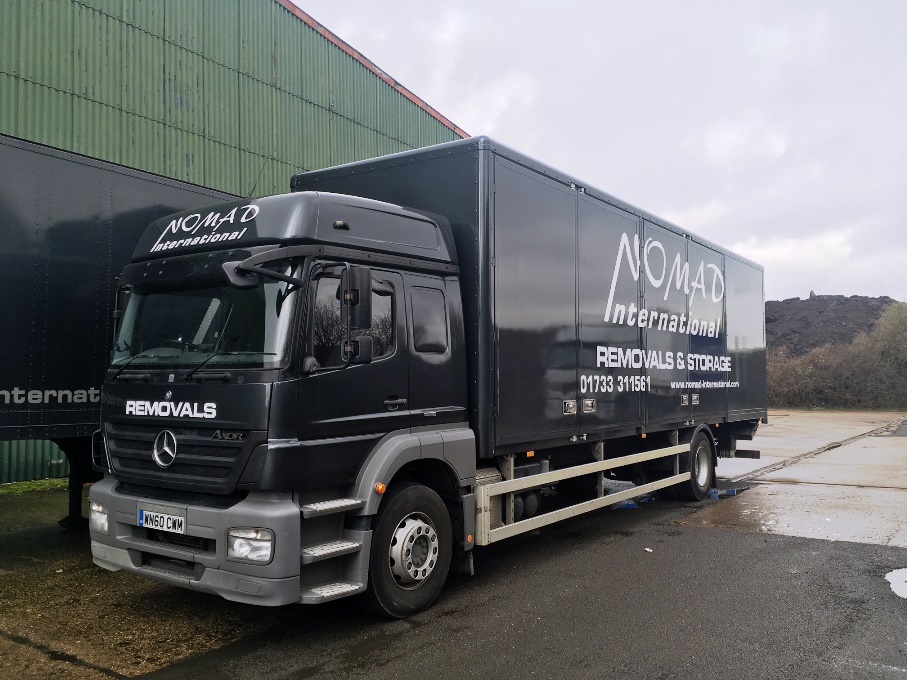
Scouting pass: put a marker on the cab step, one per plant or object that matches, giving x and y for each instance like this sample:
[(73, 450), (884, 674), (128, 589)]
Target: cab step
[(330, 591), (330, 507), (324, 551)]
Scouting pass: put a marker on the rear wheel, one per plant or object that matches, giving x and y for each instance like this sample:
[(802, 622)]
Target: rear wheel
[(411, 549), (702, 469)]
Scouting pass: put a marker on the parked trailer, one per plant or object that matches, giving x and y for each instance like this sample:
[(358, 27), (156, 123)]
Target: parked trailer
[(68, 225), (346, 388)]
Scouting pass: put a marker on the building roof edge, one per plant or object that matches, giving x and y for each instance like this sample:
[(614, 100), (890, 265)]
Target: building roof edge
[(370, 65)]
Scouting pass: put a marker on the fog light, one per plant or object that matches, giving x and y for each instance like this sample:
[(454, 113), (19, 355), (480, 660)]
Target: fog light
[(250, 545), (97, 519)]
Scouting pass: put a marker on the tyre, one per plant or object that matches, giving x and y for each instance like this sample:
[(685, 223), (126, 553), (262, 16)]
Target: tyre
[(410, 553), (702, 469)]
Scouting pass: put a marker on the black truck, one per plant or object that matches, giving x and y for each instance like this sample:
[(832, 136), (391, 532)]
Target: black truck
[(345, 388), (68, 225)]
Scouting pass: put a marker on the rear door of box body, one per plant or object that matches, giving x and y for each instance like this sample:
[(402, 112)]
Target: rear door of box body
[(745, 311)]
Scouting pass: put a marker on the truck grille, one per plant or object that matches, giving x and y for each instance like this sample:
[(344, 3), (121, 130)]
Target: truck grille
[(201, 463), (177, 468)]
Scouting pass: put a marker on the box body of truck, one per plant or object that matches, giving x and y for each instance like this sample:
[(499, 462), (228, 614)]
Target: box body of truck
[(552, 270), (347, 388)]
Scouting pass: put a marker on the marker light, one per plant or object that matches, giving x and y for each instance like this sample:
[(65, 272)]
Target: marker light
[(98, 519), (250, 545), (380, 488)]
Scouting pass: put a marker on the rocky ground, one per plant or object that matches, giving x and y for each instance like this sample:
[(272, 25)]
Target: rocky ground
[(799, 326)]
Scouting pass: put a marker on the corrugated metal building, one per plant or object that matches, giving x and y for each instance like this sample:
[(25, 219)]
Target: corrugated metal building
[(205, 91), (227, 94)]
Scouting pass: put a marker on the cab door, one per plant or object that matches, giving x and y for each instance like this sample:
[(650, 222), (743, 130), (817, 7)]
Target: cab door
[(344, 411)]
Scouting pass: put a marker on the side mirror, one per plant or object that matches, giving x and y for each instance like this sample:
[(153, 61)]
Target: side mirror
[(356, 297), (238, 278), (361, 349)]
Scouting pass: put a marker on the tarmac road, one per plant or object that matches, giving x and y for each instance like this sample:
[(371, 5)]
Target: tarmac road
[(663, 590), (591, 602)]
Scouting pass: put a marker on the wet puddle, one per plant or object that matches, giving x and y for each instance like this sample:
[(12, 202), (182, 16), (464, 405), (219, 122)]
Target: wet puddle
[(833, 513), (898, 581)]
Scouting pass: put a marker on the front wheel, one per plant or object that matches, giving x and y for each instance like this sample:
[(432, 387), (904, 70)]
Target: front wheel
[(701, 469), (411, 549)]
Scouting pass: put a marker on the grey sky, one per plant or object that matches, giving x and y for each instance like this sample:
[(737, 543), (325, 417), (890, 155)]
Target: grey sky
[(778, 129)]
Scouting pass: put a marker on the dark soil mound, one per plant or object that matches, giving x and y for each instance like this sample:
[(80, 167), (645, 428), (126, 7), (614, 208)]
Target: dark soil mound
[(798, 326)]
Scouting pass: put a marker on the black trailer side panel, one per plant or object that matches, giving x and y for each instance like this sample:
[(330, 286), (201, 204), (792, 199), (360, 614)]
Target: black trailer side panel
[(666, 293), (534, 305), (68, 225), (707, 331), (608, 295)]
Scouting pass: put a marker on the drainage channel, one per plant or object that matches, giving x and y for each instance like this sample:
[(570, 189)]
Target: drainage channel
[(787, 462)]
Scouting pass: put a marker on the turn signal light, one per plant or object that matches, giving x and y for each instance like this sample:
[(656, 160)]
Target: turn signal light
[(380, 488)]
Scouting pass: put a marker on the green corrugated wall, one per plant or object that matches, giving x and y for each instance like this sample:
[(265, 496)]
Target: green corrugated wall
[(213, 92), (22, 461)]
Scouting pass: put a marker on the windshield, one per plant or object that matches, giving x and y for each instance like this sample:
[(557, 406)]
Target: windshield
[(221, 326)]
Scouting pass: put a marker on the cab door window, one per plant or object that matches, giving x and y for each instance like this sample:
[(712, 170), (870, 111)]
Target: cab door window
[(329, 329)]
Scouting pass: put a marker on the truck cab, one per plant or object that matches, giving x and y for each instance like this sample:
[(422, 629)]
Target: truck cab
[(277, 362)]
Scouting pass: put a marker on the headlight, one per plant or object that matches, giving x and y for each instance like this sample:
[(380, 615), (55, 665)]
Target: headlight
[(250, 545), (97, 519)]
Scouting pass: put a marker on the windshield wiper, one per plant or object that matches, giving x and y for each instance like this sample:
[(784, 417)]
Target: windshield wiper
[(131, 359), (224, 354)]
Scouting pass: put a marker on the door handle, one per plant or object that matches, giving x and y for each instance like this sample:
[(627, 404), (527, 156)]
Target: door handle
[(394, 404)]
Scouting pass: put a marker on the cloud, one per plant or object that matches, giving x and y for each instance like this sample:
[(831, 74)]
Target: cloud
[(503, 99), (700, 217), (811, 252), (771, 42), (801, 263), (771, 127), (731, 144)]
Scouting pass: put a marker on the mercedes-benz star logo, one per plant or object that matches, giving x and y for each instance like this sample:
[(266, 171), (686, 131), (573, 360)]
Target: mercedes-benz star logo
[(164, 452)]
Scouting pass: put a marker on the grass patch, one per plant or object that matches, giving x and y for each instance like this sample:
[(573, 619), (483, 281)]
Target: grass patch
[(19, 488)]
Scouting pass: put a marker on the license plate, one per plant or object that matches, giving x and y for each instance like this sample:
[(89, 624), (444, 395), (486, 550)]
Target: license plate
[(163, 519)]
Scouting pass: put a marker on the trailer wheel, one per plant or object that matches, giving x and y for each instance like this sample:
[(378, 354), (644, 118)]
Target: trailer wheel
[(700, 465), (411, 549)]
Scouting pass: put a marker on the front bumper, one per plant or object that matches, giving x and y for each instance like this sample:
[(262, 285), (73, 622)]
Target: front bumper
[(199, 559)]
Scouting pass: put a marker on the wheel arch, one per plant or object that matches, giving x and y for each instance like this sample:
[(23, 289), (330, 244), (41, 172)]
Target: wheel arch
[(687, 437), (443, 460)]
